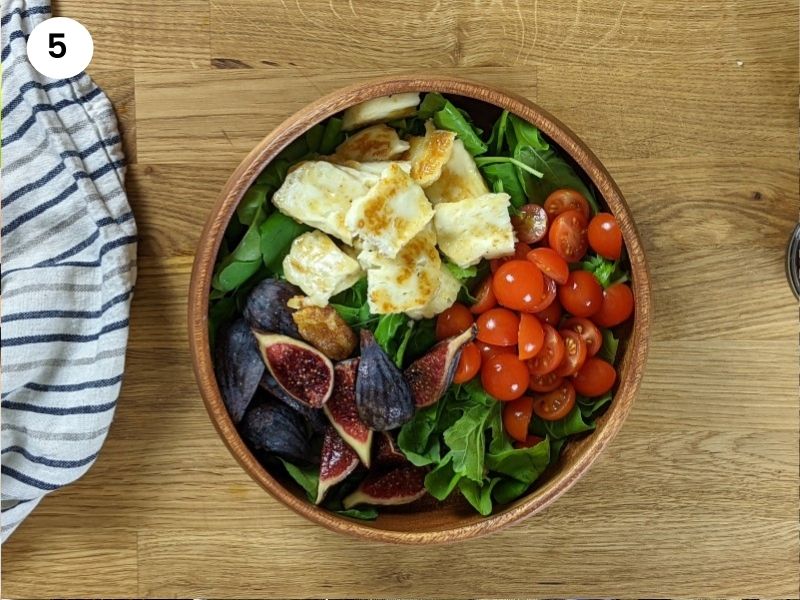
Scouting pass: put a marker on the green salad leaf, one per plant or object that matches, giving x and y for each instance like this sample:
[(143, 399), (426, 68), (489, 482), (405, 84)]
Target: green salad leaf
[(277, 234), (443, 479), (508, 490), (606, 271), (523, 464), (446, 116), (479, 496), (314, 137), (608, 351), (307, 478), (571, 424), (590, 407), (417, 438), (502, 177), (254, 198), (332, 136), (369, 513)]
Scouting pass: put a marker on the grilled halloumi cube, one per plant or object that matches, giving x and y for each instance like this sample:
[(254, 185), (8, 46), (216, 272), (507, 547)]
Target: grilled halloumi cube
[(372, 169), (460, 178), (393, 211), (429, 154), (406, 282), (318, 267), (380, 109), (319, 194), (470, 230), (443, 298), (379, 142)]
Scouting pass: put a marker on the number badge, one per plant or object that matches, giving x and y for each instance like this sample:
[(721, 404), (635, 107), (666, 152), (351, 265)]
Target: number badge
[(60, 48)]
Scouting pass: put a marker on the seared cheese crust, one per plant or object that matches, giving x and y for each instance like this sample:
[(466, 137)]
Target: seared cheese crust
[(470, 230), (379, 142), (318, 267), (391, 213), (460, 178), (429, 154), (443, 298), (385, 108)]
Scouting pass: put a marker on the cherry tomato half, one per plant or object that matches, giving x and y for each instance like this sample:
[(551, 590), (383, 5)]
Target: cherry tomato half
[(468, 364), (505, 377), (574, 353), (616, 307), (545, 383), (568, 235), (555, 405), (531, 336), (582, 295), (588, 331), (517, 416), (518, 284), (453, 321), (499, 327), (530, 441), (550, 263), (521, 250), (595, 378), (484, 297), (551, 315), (563, 200), (488, 350), (549, 296), (530, 224), (550, 356), (605, 238)]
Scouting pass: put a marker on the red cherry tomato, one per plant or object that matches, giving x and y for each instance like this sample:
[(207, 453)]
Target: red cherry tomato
[(488, 350), (484, 297), (568, 235), (582, 295), (517, 416), (521, 250), (530, 224), (555, 405), (617, 306), (468, 364), (563, 200), (499, 327), (453, 321), (588, 331), (550, 356), (518, 284), (574, 353), (595, 378), (531, 336), (505, 377), (549, 296), (605, 238), (550, 263), (545, 383), (530, 441), (551, 315)]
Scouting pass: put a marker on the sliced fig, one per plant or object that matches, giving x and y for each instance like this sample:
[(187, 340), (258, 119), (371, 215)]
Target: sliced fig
[(431, 375), (398, 486), (386, 452), (303, 372), (238, 367), (325, 329), (274, 428), (313, 416), (266, 308), (343, 413), (337, 462), (383, 397)]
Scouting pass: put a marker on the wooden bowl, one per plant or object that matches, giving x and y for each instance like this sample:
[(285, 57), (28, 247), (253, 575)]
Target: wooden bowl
[(451, 521)]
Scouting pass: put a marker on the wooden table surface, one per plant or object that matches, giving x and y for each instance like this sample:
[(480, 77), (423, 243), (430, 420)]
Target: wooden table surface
[(692, 105)]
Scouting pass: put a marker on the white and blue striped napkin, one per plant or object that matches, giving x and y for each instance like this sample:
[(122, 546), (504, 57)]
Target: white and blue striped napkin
[(68, 269)]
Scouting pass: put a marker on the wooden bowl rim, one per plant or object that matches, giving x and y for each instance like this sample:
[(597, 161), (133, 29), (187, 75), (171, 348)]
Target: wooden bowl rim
[(632, 364)]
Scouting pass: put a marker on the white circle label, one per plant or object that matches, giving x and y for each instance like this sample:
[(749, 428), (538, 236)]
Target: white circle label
[(60, 47)]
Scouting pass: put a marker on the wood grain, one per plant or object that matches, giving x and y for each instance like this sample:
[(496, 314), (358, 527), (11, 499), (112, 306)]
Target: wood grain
[(697, 495)]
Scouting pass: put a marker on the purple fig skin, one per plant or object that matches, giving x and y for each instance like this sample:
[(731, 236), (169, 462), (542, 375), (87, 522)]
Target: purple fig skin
[(266, 309), (337, 462), (274, 428), (402, 485), (386, 452), (313, 416), (238, 368), (303, 372), (430, 376), (343, 413)]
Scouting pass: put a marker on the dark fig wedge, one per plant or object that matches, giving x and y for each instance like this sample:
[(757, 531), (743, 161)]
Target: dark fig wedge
[(238, 367), (383, 397), (430, 376), (274, 428), (303, 372), (398, 486), (337, 462), (343, 413), (266, 307), (326, 330), (386, 452), (313, 416)]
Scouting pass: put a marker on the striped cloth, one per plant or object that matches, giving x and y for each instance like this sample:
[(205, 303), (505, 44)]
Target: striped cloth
[(68, 268)]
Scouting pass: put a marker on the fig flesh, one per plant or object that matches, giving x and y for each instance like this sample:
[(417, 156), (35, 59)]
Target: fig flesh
[(303, 372), (398, 486), (266, 307), (337, 462), (430, 376), (238, 367), (272, 427), (383, 397), (313, 416), (343, 413), (386, 452)]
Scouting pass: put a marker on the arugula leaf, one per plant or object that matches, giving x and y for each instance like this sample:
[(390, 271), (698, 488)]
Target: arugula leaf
[(523, 464), (557, 173), (365, 514), (388, 325), (220, 313), (423, 339), (479, 496), (332, 136), (295, 151), (307, 478), (461, 273), (254, 198), (608, 351), (500, 441), (450, 118), (274, 174), (503, 178), (442, 480), (314, 137), (498, 134), (606, 271), (277, 234), (417, 439), (589, 407), (235, 273), (571, 424), (527, 134), (509, 489), (465, 437), (431, 103), (401, 349)]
